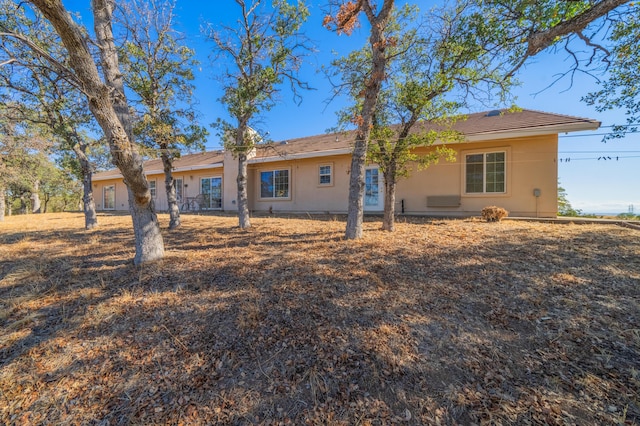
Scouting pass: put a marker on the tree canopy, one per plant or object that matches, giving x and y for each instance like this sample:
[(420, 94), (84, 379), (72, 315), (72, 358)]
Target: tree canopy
[(620, 89), (38, 82), (264, 51), (158, 68), (102, 84)]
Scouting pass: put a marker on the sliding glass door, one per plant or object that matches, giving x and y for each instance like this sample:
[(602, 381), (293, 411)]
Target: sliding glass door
[(211, 189)]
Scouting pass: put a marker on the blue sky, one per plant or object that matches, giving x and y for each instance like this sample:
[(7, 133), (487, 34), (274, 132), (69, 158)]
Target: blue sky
[(592, 185)]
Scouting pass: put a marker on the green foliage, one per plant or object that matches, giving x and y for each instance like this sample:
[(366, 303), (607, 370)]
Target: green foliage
[(22, 148), (564, 206), (621, 90), (437, 65), (25, 168), (263, 53), (59, 190), (394, 155), (608, 29), (508, 24), (42, 95), (628, 216), (158, 67)]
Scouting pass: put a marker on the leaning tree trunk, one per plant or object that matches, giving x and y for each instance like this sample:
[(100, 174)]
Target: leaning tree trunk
[(172, 199), (378, 43), (118, 122), (355, 208), (388, 222), (243, 198), (88, 202), (35, 198), (108, 104)]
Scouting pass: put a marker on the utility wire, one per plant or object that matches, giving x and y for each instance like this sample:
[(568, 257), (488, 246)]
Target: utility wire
[(598, 152), (619, 125), (592, 134), (600, 158)]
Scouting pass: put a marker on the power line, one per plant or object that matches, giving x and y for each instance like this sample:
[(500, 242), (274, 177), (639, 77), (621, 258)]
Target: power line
[(593, 134), (598, 152), (605, 158)]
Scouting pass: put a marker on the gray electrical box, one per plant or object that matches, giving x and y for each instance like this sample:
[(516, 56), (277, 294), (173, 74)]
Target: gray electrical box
[(536, 192)]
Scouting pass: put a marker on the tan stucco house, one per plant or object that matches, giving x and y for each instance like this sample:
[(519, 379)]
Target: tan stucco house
[(508, 159)]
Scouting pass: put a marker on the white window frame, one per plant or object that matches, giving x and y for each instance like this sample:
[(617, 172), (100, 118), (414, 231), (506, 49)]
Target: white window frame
[(484, 154), (153, 189), (321, 175), (104, 197), (210, 179), (273, 172)]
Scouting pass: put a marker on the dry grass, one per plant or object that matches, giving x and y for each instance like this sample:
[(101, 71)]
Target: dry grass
[(442, 322)]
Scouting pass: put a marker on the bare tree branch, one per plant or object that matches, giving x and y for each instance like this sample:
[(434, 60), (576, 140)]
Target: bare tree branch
[(7, 62), (540, 40), (62, 69)]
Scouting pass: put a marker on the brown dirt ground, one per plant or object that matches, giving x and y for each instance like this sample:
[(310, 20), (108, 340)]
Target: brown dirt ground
[(441, 322)]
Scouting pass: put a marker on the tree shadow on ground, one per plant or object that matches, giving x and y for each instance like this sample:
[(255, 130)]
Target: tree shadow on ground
[(503, 325)]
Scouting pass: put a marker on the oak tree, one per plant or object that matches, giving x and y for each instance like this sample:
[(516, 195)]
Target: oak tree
[(42, 92), (436, 67), (264, 50), (343, 19), (158, 68), (522, 28), (108, 104), (23, 148)]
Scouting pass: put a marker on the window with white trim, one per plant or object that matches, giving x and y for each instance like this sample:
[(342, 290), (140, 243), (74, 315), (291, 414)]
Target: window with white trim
[(274, 184), (152, 188), (325, 175), (485, 172), (109, 197)]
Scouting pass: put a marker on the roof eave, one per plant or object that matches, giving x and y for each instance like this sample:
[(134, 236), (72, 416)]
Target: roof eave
[(159, 172), (301, 155), (534, 131), (190, 168), (107, 177)]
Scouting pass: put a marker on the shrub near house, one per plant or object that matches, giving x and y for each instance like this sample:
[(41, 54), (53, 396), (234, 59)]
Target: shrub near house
[(494, 213)]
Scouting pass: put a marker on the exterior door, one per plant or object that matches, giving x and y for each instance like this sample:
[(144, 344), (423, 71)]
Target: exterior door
[(109, 197), (178, 185), (211, 189), (373, 198)]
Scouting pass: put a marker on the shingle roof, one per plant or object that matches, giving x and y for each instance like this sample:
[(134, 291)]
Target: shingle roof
[(201, 160), (476, 127), (536, 122)]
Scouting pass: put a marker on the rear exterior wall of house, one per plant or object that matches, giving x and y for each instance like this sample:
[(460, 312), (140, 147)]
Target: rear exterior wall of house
[(518, 174)]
